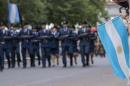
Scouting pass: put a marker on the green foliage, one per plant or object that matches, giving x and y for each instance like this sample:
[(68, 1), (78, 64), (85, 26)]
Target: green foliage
[(94, 8), (57, 10), (3, 11), (72, 10), (75, 10), (32, 10)]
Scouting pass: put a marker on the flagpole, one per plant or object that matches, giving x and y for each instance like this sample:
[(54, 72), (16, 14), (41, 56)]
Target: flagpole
[(20, 14), (129, 42), (8, 14)]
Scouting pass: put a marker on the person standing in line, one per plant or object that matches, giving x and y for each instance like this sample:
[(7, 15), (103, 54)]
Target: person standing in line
[(1, 48), (55, 46), (83, 35), (36, 45), (44, 35), (64, 34), (26, 46)]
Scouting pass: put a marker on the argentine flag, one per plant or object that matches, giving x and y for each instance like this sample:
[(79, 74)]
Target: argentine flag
[(14, 16), (114, 37)]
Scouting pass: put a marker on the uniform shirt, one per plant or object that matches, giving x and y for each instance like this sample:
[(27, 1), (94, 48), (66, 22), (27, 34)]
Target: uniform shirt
[(35, 36), (25, 32), (92, 37), (65, 32), (55, 41), (7, 35), (46, 41), (1, 35), (83, 39), (74, 37), (83, 31), (26, 42), (14, 35)]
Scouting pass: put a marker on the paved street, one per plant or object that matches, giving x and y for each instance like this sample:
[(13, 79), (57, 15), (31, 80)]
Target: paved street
[(99, 74)]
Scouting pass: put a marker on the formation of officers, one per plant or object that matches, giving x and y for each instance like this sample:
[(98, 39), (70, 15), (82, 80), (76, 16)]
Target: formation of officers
[(44, 45)]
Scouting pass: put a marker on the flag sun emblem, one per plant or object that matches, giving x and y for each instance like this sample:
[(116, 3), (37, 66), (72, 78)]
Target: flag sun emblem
[(119, 49)]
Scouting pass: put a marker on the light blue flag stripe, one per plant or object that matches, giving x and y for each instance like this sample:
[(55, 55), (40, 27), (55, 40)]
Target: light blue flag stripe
[(110, 51), (122, 31)]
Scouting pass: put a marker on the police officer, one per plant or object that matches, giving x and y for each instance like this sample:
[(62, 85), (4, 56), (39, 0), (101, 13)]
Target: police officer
[(92, 37), (18, 45), (1, 48), (15, 47), (74, 39), (65, 43), (7, 45), (26, 46), (36, 45), (55, 45), (45, 35), (84, 44)]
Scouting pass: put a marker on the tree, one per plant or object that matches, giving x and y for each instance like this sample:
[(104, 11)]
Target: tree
[(56, 11), (94, 9), (32, 10), (3, 11), (74, 10)]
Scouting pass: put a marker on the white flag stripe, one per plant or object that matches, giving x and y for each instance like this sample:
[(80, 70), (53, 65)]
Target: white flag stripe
[(14, 11), (115, 38)]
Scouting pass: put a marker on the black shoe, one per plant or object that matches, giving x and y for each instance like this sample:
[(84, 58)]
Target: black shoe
[(18, 64), (87, 64), (39, 63), (9, 66), (57, 63), (92, 62), (1, 69), (49, 65), (76, 63), (53, 65), (43, 66), (32, 65), (24, 67), (71, 64), (13, 66), (84, 65), (64, 66)]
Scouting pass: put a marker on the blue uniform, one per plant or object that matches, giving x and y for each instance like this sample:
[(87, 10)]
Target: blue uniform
[(7, 46), (74, 39), (36, 46), (1, 50), (45, 46), (26, 46), (92, 40), (55, 43), (92, 37), (84, 45), (65, 44), (15, 48)]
